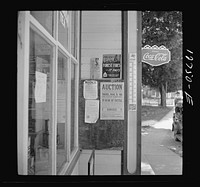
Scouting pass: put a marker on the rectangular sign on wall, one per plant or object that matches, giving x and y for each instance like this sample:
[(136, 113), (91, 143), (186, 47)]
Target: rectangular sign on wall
[(91, 111), (90, 90), (111, 66), (112, 101)]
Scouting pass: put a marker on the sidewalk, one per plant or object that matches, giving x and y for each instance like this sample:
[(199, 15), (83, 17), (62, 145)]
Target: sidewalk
[(157, 159)]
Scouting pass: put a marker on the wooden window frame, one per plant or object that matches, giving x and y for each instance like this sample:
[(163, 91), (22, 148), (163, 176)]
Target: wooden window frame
[(26, 22)]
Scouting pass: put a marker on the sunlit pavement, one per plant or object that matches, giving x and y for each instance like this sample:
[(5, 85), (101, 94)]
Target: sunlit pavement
[(158, 148)]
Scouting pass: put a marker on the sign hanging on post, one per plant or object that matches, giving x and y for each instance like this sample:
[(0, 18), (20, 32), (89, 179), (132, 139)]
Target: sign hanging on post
[(132, 89), (155, 55), (112, 101), (111, 66)]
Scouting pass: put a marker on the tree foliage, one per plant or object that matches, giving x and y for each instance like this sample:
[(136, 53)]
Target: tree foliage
[(163, 28)]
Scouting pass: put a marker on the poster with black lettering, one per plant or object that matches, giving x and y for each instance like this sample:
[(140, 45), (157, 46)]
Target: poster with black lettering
[(111, 66), (112, 101)]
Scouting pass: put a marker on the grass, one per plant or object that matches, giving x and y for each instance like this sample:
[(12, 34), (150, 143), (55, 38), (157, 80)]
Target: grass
[(154, 112)]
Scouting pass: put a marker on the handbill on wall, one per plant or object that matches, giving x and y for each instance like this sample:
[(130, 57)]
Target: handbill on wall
[(91, 111), (95, 68), (112, 101), (90, 89)]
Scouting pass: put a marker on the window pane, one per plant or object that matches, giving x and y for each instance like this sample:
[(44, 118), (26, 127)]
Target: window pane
[(61, 111), (63, 28), (45, 18), (72, 106), (74, 33), (40, 105)]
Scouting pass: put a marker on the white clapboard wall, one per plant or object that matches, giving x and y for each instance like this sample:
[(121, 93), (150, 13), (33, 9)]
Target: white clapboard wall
[(101, 34)]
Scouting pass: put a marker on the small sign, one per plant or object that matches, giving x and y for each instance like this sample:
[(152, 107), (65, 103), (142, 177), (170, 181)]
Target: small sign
[(95, 68), (90, 89), (132, 88), (91, 111), (40, 87), (111, 66), (112, 101), (155, 55)]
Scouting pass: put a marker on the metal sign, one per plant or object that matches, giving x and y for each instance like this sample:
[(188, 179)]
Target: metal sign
[(155, 55), (132, 73), (111, 66)]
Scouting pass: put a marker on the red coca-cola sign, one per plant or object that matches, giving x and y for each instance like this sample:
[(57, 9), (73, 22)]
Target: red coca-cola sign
[(155, 55)]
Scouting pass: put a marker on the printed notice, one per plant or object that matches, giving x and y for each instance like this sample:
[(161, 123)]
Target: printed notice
[(90, 89), (91, 111), (112, 101), (40, 87), (95, 68), (111, 66)]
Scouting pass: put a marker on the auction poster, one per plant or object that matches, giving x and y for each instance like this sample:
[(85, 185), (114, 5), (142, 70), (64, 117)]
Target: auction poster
[(111, 66), (112, 101)]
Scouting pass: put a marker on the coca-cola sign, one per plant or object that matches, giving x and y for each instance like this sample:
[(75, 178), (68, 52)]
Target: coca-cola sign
[(155, 55)]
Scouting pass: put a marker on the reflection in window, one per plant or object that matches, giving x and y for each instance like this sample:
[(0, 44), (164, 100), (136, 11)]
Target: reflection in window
[(74, 33), (45, 18), (39, 125), (63, 28), (73, 94), (61, 111)]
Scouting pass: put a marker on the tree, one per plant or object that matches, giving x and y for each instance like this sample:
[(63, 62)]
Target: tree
[(163, 28)]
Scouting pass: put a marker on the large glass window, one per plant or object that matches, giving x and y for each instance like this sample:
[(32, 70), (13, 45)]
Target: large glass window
[(63, 28), (73, 98), (45, 18), (74, 33), (52, 134), (61, 111), (40, 105)]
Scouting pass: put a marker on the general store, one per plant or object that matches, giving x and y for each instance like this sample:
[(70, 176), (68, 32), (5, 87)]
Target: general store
[(65, 120)]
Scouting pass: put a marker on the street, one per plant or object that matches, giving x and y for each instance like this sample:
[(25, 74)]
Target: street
[(161, 154)]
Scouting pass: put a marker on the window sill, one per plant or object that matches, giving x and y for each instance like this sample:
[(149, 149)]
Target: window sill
[(69, 166)]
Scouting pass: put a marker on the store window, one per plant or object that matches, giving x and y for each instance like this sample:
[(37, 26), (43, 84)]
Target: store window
[(61, 111), (40, 105), (63, 28), (52, 137), (74, 33), (73, 112), (45, 18)]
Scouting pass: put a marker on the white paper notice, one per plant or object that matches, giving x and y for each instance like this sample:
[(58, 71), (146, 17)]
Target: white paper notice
[(40, 87), (112, 101), (91, 111), (95, 68), (90, 89)]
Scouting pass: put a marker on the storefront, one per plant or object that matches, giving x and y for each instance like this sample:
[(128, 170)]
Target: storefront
[(48, 74), (78, 87)]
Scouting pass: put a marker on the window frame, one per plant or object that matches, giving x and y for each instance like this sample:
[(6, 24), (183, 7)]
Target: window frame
[(26, 22)]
